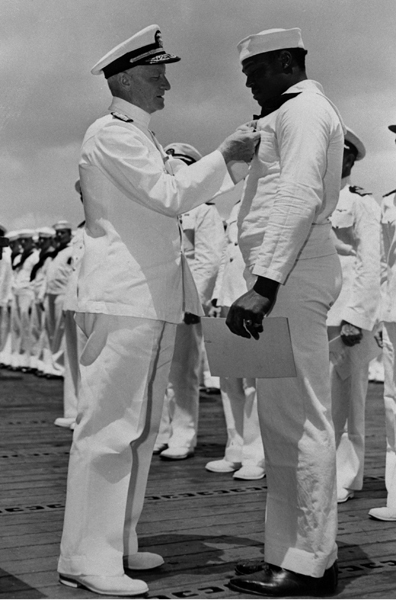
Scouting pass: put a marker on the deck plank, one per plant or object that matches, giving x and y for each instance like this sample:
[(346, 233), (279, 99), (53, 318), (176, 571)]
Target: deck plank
[(201, 522)]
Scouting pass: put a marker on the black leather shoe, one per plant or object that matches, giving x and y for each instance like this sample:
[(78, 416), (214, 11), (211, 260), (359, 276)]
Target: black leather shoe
[(248, 567), (274, 581)]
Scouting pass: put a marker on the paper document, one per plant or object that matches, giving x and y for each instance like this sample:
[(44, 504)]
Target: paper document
[(230, 355)]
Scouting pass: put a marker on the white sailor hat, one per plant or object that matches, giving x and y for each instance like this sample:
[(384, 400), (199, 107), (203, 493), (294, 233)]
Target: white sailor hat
[(45, 232), (143, 48), (13, 235), (183, 151), (392, 128), (269, 40), (352, 141), (62, 225), (26, 233)]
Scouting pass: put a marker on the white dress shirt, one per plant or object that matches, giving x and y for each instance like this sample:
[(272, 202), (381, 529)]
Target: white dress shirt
[(293, 184), (133, 264)]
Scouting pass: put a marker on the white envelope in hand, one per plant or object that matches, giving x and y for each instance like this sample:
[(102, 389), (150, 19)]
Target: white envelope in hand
[(230, 355)]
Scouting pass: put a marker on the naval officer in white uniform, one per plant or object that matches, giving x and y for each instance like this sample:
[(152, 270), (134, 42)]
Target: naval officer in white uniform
[(292, 270), (352, 318), (388, 315), (133, 287)]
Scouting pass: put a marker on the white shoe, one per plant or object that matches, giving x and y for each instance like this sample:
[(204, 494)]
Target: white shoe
[(158, 448), (249, 472), (66, 422), (143, 561), (222, 466), (383, 514), (176, 453), (108, 586), (344, 494)]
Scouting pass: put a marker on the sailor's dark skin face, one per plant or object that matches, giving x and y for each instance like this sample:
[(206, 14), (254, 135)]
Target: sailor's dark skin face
[(265, 78)]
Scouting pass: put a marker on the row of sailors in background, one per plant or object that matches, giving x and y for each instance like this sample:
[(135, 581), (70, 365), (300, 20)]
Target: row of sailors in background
[(34, 274)]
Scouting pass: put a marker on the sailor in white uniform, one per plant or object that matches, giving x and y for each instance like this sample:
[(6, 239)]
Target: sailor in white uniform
[(133, 288), (57, 277), (352, 318), (38, 277), (22, 301), (293, 271), (5, 295)]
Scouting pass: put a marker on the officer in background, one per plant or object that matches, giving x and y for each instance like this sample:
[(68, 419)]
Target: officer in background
[(203, 239), (388, 292), (244, 452), (351, 319), (57, 277)]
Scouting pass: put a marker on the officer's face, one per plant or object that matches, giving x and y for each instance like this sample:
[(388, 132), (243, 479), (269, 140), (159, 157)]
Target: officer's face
[(265, 78), (148, 86)]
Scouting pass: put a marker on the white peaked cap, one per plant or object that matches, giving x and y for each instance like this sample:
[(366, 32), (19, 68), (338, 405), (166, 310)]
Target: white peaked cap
[(180, 150), (26, 233), (269, 40), (352, 138), (45, 232), (143, 48)]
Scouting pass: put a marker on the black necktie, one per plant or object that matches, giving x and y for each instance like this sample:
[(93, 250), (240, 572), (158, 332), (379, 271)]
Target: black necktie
[(274, 103)]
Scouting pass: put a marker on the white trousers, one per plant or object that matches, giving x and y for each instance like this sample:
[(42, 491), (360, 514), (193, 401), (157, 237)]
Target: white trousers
[(75, 341), (5, 330), (38, 336), (20, 328), (124, 372), (349, 384), (297, 428), (389, 360), (55, 327), (244, 443), (179, 422)]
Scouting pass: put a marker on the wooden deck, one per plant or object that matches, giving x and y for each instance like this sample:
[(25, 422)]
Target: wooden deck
[(201, 522)]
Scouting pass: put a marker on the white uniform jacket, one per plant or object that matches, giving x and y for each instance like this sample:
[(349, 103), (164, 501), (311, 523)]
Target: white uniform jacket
[(59, 271), (21, 281), (230, 283), (356, 225), (133, 262), (71, 299), (388, 258), (5, 278), (286, 203), (40, 281), (203, 240)]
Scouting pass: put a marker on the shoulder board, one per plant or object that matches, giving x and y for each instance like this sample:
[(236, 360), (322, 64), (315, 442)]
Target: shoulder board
[(121, 117), (355, 189), (210, 203), (389, 193)]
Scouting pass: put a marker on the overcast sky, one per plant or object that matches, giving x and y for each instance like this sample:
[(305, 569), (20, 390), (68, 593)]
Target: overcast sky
[(49, 98)]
